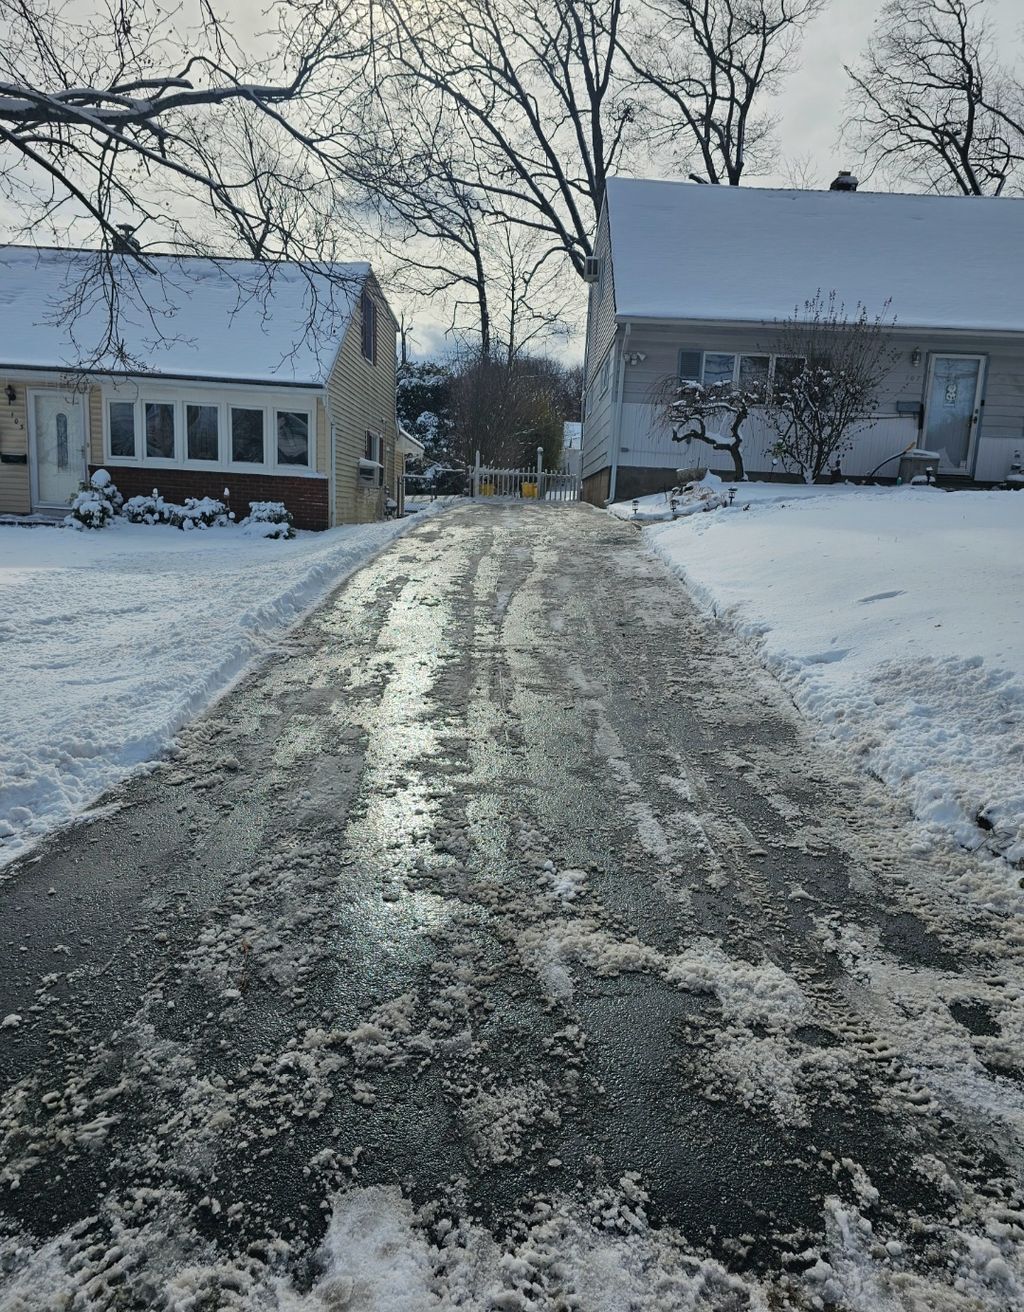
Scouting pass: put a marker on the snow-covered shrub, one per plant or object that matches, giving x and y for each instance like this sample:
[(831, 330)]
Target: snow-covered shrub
[(197, 512), (200, 512), (147, 510), (268, 519), (95, 503)]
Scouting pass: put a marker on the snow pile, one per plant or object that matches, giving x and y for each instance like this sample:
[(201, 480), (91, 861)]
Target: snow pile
[(695, 498), (114, 640), (893, 616)]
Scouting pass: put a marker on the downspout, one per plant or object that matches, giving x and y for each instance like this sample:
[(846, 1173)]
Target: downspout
[(616, 427)]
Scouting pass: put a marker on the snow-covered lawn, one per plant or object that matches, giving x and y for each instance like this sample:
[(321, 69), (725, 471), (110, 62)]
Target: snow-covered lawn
[(895, 617), (111, 640)]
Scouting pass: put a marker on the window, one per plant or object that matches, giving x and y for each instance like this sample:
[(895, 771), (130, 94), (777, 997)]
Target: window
[(754, 370), (292, 437), (372, 449), (787, 367), (718, 368), (122, 429), (246, 436), (159, 430), (201, 432), (369, 317)]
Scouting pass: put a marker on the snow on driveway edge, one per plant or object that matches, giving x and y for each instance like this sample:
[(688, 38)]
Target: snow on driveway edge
[(942, 741), (59, 758)]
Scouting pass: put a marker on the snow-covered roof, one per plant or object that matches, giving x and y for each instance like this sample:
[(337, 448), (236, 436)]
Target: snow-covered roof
[(685, 251), (240, 320)]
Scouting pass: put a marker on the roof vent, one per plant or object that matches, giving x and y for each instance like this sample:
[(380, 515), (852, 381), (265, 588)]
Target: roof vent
[(591, 268), (844, 182)]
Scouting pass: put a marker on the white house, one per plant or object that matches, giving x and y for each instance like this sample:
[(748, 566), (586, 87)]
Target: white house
[(688, 282)]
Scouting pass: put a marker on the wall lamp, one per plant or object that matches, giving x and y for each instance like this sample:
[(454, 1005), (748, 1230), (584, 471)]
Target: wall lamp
[(635, 357), (12, 395), (915, 358)]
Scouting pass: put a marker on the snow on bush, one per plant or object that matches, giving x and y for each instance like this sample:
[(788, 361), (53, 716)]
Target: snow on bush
[(268, 519), (197, 512), (95, 503)]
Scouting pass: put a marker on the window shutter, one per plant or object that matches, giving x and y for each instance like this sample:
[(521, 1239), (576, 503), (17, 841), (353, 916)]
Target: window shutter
[(689, 366)]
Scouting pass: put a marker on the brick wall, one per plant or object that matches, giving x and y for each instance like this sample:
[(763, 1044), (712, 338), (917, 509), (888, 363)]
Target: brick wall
[(306, 498)]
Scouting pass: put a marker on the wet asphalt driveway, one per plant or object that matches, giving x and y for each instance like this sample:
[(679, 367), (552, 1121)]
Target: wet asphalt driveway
[(511, 883)]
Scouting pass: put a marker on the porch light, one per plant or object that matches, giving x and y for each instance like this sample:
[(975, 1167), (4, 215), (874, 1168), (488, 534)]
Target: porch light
[(915, 358), (12, 395)]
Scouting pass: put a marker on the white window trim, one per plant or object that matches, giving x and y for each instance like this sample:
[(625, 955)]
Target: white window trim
[(225, 401)]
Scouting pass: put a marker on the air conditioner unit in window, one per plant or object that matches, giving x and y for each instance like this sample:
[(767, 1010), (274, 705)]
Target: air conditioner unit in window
[(591, 268)]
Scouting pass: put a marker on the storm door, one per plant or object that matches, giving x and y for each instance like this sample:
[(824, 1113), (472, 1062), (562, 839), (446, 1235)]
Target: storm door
[(58, 448), (953, 408)]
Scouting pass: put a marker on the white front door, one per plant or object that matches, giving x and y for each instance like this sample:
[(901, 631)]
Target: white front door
[(58, 448), (953, 409)]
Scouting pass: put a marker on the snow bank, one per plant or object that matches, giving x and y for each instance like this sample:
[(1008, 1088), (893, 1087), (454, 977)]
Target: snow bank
[(111, 641), (894, 617)]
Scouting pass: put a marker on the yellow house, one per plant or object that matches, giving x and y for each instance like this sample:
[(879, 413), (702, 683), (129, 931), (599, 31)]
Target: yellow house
[(198, 377)]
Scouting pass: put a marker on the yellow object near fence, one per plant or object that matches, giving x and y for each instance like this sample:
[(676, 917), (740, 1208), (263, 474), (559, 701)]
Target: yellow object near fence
[(529, 489), (487, 489)]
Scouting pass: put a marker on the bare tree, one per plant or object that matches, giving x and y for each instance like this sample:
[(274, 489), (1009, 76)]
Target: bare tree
[(535, 88), (697, 413), (712, 61), (835, 366), (100, 113), (931, 104)]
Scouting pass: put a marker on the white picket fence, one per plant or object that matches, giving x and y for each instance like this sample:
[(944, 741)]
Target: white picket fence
[(535, 484)]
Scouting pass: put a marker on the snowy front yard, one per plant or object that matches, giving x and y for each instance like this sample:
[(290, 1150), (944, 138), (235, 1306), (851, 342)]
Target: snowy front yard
[(112, 640), (894, 616)]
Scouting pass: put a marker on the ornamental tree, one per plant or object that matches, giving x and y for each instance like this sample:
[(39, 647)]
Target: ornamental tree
[(699, 413), (831, 392)]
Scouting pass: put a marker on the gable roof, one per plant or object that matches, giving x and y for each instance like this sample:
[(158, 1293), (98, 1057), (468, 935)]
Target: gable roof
[(685, 251), (225, 319)]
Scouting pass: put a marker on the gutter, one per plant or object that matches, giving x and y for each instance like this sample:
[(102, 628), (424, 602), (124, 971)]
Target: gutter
[(616, 435)]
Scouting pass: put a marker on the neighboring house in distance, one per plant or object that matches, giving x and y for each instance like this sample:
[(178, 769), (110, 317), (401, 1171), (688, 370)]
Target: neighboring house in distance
[(572, 448), (688, 281), (274, 382)]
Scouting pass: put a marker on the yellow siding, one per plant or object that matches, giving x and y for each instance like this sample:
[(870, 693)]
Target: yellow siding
[(95, 426), (361, 397), (15, 497), (15, 485)]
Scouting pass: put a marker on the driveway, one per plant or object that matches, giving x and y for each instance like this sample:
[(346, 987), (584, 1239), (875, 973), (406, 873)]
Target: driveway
[(506, 941)]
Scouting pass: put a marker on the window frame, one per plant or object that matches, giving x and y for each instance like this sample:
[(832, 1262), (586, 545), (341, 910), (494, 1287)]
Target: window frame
[(310, 462), (737, 356), (246, 466), (269, 404), (194, 462), (368, 326)]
